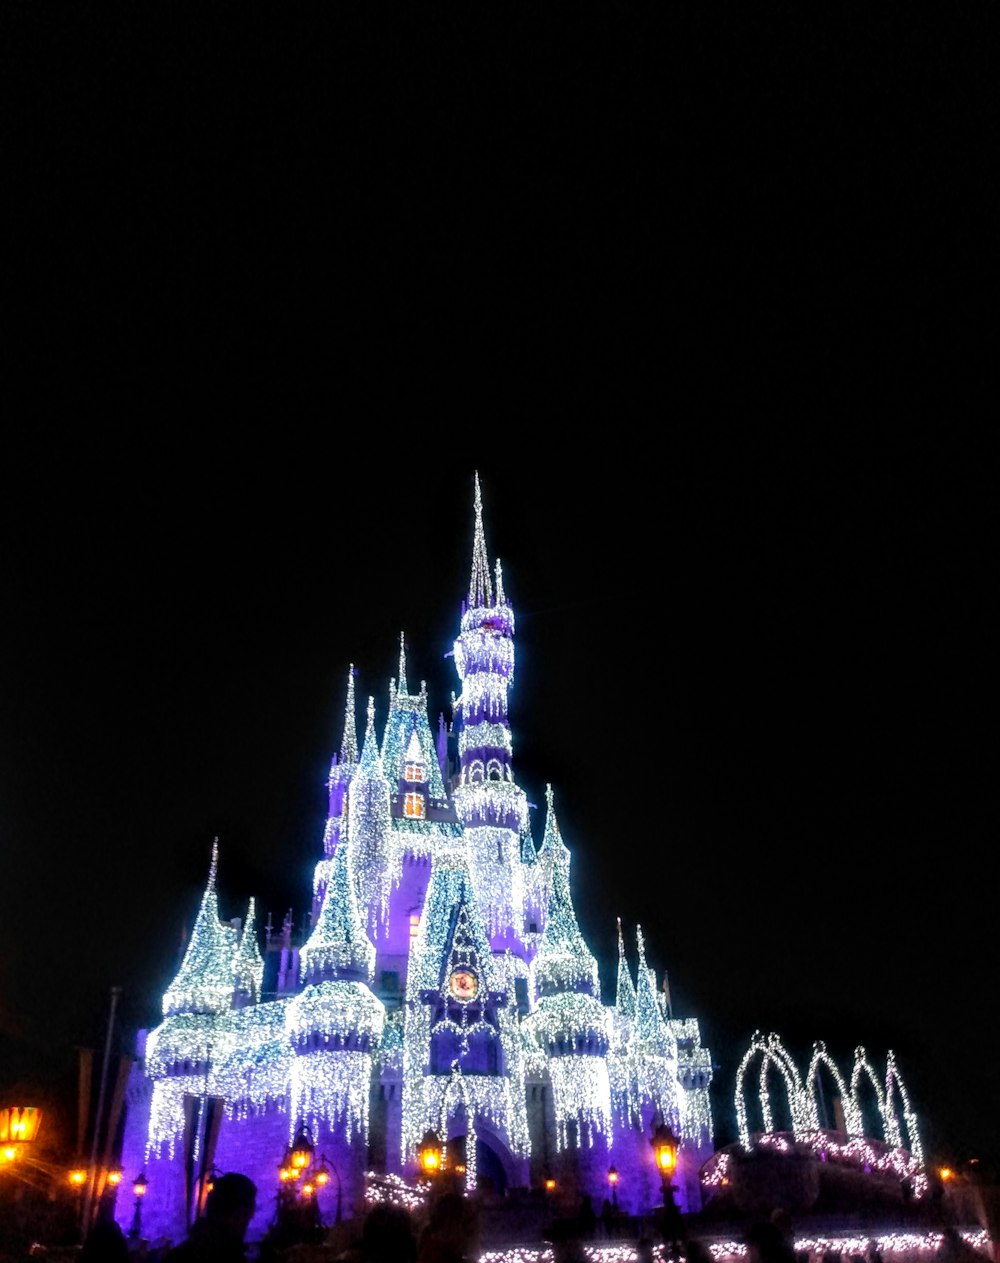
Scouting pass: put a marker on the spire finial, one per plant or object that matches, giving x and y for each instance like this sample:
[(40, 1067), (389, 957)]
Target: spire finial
[(403, 688), (349, 744), (625, 995), (480, 588)]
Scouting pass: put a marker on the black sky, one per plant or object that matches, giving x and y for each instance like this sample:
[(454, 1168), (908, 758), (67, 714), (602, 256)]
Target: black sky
[(700, 300)]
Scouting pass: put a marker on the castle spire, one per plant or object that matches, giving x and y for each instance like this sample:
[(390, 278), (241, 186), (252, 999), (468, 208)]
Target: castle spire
[(552, 844), (649, 1018), (480, 590), (204, 982), (349, 744), (403, 688), (248, 964), (338, 946), (564, 962), (625, 999)]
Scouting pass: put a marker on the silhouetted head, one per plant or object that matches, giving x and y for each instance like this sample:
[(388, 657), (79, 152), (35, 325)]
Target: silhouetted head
[(232, 1202), (388, 1235)]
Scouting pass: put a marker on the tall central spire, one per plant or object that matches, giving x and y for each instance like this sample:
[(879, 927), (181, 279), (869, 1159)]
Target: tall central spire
[(480, 588)]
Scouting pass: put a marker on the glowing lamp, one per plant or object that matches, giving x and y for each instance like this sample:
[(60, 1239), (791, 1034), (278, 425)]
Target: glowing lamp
[(308, 1189), (664, 1144), (114, 1177), (78, 1177), (612, 1175), (285, 1173), (19, 1126), (302, 1150), (549, 1181), (946, 1174), (430, 1153), (140, 1184), (323, 1175)]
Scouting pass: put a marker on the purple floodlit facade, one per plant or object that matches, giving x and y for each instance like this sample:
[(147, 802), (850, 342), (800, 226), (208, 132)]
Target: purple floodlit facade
[(442, 983)]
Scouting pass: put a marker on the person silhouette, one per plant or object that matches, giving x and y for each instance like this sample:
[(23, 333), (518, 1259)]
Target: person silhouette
[(105, 1242), (218, 1235), (388, 1236)]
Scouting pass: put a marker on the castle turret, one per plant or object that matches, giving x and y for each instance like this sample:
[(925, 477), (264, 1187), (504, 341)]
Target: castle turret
[(338, 946), (342, 770), (204, 982), (368, 832), (248, 964), (490, 805)]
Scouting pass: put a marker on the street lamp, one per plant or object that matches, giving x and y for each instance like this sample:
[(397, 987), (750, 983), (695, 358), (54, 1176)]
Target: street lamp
[(139, 1186), (18, 1128), (302, 1150), (323, 1178), (613, 1181), (429, 1154), (665, 1145)]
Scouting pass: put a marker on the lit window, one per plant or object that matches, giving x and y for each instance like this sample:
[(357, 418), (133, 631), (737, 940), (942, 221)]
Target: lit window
[(414, 924), (415, 772), (413, 805)]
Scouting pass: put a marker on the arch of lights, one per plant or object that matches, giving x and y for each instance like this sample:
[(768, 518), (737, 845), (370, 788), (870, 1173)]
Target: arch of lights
[(891, 1098)]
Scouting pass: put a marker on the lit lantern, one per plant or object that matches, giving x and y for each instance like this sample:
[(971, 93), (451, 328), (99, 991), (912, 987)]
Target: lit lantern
[(140, 1184), (549, 1181), (664, 1144), (18, 1127), (430, 1153), (78, 1177), (114, 1177), (302, 1150)]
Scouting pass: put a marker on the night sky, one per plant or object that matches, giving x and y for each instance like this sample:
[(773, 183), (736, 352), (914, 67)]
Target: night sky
[(701, 304)]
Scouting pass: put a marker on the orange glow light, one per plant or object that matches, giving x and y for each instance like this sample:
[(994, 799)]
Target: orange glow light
[(114, 1178), (78, 1177), (946, 1173)]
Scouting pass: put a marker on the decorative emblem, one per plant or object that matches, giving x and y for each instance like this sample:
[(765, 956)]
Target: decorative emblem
[(463, 985)]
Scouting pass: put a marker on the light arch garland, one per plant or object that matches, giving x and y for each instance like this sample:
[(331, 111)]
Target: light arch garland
[(805, 1111)]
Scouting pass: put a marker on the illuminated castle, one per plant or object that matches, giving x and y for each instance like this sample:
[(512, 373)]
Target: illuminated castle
[(443, 984)]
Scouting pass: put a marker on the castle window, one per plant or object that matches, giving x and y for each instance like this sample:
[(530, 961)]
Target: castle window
[(413, 805), (415, 772), (494, 771), (414, 924)]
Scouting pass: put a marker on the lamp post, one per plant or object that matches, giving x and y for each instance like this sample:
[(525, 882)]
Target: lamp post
[(613, 1181), (139, 1186), (297, 1217), (323, 1178), (665, 1144)]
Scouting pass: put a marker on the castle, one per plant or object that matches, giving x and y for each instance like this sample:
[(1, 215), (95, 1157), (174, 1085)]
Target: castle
[(443, 984)]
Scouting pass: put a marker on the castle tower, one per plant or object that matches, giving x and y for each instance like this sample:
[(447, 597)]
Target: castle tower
[(342, 770), (369, 842), (490, 806)]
